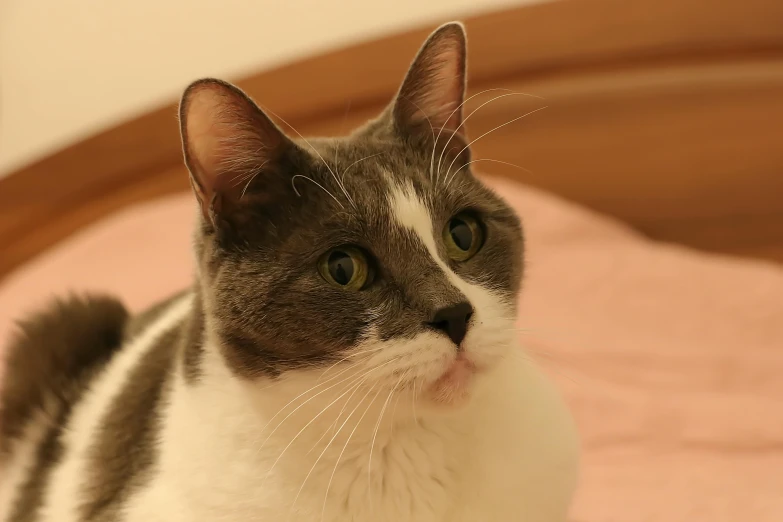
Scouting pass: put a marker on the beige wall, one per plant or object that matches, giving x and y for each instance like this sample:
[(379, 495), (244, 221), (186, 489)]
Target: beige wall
[(69, 68)]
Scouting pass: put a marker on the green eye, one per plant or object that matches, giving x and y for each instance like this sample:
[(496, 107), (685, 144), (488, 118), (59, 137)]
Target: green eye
[(345, 267), (463, 237)]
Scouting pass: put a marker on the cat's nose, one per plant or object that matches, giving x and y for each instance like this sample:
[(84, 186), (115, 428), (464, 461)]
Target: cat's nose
[(453, 321)]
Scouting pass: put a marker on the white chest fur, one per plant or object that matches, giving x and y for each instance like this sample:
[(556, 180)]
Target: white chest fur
[(508, 456)]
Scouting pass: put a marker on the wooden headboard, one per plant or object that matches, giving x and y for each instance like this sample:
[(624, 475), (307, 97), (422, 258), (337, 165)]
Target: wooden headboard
[(667, 114)]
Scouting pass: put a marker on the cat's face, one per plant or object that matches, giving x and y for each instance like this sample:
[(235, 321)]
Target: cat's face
[(378, 250)]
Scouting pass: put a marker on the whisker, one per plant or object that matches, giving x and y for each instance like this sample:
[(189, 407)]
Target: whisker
[(336, 179), (449, 180), (251, 179), (491, 131), (328, 444), (397, 402), (303, 404), (269, 472), (474, 111), (331, 427), (359, 161), (435, 141), (362, 352), (348, 440), (340, 413), (375, 433), (414, 394), (432, 129), (354, 386), (293, 179)]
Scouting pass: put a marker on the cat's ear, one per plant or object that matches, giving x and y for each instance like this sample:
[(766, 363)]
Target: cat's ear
[(434, 88), (227, 142)]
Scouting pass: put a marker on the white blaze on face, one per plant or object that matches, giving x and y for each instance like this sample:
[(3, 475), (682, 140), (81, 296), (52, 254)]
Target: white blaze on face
[(492, 326), (411, 213)]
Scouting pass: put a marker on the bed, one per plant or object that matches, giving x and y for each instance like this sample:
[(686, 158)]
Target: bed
[(651, 195)]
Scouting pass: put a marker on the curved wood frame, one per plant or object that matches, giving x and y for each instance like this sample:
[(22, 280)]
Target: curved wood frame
[(662, 113)]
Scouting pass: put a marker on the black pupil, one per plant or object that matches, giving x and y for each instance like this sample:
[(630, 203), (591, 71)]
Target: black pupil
[(341, 267), (461, 234)]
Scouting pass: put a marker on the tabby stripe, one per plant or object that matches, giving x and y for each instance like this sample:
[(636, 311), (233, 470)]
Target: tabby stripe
[(63, 504)]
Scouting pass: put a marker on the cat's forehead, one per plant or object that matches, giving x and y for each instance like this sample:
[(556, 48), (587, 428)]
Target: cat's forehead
[(361, 180), (368, 172), (360, 159)]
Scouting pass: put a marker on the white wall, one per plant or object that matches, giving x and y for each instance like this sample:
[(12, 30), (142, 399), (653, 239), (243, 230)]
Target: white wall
[(69, 68)]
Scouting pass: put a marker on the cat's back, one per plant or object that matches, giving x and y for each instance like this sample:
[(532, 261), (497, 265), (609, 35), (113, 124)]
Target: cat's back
[(52, 357), (49, 362), (54, 367)]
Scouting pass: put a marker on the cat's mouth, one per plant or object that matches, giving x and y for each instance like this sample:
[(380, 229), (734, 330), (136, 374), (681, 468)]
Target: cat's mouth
[(453, 386)]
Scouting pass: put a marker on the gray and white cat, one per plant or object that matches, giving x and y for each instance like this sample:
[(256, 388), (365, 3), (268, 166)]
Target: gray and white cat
[(347, 352)]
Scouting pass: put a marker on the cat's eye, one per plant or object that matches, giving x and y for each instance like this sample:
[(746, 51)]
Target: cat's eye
[(346, 267), (463, 237)]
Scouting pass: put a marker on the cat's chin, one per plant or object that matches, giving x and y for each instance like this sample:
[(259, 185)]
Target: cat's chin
[(453, 388)]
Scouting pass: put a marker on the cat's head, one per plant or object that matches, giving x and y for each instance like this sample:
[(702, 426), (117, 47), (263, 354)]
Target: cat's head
[(379, 250)]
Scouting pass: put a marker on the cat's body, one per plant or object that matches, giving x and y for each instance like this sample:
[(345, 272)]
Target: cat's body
[(378, 381), (509, 455)]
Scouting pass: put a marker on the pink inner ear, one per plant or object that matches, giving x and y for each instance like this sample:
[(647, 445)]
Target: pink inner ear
[(227, 139), (222, 140), (434, 87), (444, 92), (206, 134)]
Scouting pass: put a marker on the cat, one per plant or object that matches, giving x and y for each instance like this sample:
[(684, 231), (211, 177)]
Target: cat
[(347, 351)]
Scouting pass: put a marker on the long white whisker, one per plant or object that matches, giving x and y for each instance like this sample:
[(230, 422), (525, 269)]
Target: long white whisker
[(432, 129), (355, 387), (357, 381), (415, 415), (269, 472), (303, 403), (449, 180), (432, 157), (340, 413), (347, 441), (397, 402), (440, 159), (328, 444), (293, 179), (435, 141), (336, 179), (359, 161), (362, 352), (490, 131), (375, 434)]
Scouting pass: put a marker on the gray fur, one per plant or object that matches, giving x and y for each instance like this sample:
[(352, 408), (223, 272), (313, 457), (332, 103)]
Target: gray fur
[(261, 240), (54, 357), (125, 448), (273, 309), (258, 248)]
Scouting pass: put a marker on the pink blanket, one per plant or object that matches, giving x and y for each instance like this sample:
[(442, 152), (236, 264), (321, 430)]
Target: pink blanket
[(672, 360)]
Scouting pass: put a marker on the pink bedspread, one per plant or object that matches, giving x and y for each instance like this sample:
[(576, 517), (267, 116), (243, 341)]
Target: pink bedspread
[(672, 360)]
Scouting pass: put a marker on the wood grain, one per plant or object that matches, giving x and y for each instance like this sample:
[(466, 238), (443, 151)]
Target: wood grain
[(661, 112)]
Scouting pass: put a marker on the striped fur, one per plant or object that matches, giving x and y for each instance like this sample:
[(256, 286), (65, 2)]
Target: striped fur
[(271, 391)]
